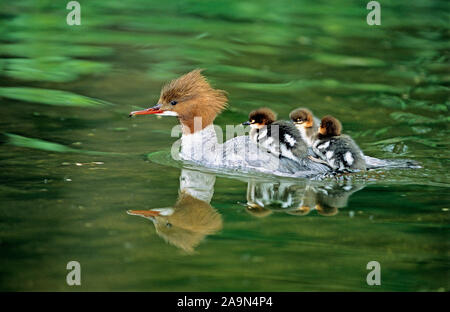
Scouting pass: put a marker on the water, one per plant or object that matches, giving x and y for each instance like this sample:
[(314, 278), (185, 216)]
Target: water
[(72, 162)]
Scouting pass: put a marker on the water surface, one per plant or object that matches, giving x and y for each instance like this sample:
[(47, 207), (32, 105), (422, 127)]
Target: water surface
[(72, 162)]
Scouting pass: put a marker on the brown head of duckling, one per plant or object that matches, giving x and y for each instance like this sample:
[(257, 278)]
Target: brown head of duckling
[(329, 127), (260, 118), (303, 117)]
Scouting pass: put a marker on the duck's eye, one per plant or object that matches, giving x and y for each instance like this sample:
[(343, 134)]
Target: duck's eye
[(169, 225), (173, 102)]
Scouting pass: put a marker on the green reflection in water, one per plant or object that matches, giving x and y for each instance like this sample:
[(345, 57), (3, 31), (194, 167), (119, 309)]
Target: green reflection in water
[(50, 97)]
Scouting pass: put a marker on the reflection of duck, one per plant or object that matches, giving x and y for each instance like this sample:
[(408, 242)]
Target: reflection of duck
[(307, 203), (298, 199), (274, 195), (192, 217), (332, 196)]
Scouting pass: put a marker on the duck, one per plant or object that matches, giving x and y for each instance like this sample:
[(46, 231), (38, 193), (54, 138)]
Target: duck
[(278, 137), (306, 124), (195, 103), (336, 150)]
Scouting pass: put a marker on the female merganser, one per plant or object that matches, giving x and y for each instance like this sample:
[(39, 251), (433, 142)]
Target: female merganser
[(195, 103), (338, 151), (306, 123), (278, 137)]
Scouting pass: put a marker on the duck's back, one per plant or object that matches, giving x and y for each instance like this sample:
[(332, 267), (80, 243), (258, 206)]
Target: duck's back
[(243, 154)]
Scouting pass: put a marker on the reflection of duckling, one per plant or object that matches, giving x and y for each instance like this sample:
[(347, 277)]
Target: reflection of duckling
[(278, 137), (274, 196), (300, 211), (336, 194), (258, 211), (306, 123), (327, 211), (186, 223), (335, 150), (305, 206), (332, 196), (254, 205)]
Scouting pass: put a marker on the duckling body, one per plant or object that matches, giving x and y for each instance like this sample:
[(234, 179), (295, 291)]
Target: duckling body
[(336, 150), (280, 138), (340, 153)]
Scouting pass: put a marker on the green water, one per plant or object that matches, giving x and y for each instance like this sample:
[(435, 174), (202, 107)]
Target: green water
[(72, 162)]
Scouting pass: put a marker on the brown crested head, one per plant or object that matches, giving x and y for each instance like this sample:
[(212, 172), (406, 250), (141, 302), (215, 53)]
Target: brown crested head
[(191, 96), (330, 126), (302, 116), (262, 117)]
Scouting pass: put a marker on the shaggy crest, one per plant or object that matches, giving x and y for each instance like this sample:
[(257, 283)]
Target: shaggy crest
[(200, 99)]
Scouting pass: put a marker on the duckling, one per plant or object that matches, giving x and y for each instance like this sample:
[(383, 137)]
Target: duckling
[(334, 149), (306, 123), (278, 137)]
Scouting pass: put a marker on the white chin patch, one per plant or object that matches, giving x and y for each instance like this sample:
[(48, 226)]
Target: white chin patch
[(164, 211), (168, 113), (256, 126)]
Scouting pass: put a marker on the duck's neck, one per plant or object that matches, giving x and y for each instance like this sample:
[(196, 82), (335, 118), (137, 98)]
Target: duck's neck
[(199, 146)]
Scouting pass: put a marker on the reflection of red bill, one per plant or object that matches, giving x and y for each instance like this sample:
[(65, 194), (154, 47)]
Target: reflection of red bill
[(144, 213)]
